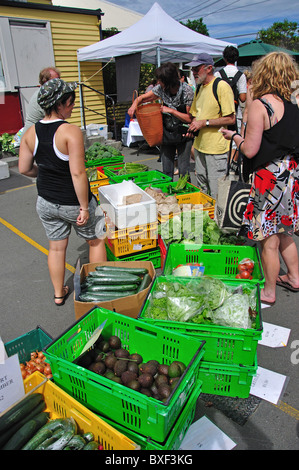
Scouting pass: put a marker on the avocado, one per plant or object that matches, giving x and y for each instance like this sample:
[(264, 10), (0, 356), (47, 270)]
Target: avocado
[(134, 385), (120, 367), (127, 376), (145, 380), (110, 361), (136, 357), (114, 342), (121, 352), (174, 370)]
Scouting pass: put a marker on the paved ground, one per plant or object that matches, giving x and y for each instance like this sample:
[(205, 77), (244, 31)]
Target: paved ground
[(27, 301)]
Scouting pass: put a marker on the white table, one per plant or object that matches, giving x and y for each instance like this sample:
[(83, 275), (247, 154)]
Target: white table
[(134, 133)]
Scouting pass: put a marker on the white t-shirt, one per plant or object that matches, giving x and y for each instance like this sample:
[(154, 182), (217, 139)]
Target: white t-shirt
[(231, 71)]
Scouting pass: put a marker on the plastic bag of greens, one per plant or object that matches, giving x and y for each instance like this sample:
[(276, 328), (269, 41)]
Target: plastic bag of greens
[(234, 312), (213, 290), (184, 308)]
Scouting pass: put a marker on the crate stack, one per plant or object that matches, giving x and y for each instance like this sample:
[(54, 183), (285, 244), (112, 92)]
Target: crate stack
[(230, 359), (132, 238), (59, 403), (153, 424)]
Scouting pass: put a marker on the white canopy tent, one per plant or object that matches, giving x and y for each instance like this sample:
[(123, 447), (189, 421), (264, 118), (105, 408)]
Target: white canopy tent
[(158, 37)]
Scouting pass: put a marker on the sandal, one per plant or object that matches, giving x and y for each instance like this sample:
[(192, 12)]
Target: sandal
[(64, 297)]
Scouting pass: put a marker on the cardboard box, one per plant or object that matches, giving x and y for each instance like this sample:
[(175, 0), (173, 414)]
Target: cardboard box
[(130, 305)]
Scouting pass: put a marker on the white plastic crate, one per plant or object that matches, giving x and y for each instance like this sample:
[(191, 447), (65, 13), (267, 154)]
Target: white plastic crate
[(123, 216)]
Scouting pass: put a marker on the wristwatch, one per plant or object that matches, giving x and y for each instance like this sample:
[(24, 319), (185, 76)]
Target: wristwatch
[(207, 123)]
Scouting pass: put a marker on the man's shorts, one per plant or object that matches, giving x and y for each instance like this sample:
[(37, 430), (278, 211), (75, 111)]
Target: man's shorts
[(58, 220)]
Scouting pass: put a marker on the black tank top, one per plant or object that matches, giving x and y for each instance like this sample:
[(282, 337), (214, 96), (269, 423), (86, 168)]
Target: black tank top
[(281, 139), (54, 180)]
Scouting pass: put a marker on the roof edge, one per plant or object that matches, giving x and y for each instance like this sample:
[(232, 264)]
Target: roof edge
[(42, 6)]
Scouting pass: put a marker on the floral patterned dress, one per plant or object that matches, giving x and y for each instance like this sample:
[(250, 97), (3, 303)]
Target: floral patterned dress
[(273, 204)]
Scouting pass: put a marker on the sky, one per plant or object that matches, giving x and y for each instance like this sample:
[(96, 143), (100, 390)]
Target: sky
[(235, 21)]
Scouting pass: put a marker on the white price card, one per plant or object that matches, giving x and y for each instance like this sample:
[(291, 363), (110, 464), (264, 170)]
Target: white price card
[(205, 435), (11, 382), (274, 336), (268, 385)]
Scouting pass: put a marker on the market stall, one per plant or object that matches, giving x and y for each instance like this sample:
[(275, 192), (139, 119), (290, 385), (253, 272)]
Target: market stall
[(169, 316)]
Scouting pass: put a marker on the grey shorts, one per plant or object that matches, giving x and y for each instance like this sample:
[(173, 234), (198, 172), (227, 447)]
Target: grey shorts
[(58, 220)]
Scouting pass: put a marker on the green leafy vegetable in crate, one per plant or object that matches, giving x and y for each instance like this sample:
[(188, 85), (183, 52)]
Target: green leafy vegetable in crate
[(195, 227), (109, 359), (92, 174), (129, 168), (204, 300), (182, 182), (98, 151)]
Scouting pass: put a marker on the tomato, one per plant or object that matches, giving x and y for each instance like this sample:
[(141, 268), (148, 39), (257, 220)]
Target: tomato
[(245, 275), (246, 265), (238, 276)]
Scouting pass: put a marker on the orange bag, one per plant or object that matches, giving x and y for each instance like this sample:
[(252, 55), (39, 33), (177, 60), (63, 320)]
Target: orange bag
[(149, 118)]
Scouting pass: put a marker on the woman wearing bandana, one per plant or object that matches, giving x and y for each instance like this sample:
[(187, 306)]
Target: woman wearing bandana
[(53, 151)]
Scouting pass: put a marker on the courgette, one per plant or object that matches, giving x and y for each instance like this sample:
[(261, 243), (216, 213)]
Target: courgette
[(5, 436), (93, 445), (100, 297), (114, 276), (20, 411), (76, 443), (145, 282), (64, 430), (124, 269), (88, 436), (113, 288), (25, 433), (115, 280)]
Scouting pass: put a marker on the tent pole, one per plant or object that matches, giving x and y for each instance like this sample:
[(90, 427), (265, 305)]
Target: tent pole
[(158, 56), (80, 93)]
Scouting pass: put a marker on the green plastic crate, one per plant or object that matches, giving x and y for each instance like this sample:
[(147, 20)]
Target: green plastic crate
[(218, 260), (24, 345), (227, 380), (164, 186), (144, 415), (224, 345), (104, 161), (176, 435), (153, 255), (149, 177)]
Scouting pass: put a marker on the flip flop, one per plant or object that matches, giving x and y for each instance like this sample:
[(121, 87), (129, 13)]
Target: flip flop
[(286, 285), (267, 303), (64, 297)]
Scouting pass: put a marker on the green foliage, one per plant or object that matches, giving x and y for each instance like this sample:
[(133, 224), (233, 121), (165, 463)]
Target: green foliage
[(198, 26), (6, 143), (282, 34)]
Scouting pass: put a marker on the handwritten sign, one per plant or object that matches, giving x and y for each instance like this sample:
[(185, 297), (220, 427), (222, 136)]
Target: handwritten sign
[(11, 382)]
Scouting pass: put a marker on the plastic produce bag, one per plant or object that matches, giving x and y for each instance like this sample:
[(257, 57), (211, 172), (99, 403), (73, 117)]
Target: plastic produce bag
[(233, 313)]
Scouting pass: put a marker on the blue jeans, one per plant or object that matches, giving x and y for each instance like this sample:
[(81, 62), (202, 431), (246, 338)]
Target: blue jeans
[(168, 152)]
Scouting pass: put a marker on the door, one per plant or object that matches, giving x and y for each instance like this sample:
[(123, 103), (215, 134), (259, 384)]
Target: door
[(33, 50)]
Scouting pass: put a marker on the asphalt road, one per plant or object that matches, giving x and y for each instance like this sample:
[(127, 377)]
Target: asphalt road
[(27, 301)]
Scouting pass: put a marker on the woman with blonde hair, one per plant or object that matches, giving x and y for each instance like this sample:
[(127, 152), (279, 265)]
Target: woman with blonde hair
[(272, 146)]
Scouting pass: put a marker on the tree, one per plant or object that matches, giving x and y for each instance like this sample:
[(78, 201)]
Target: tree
[(197, 25), (282, 34)]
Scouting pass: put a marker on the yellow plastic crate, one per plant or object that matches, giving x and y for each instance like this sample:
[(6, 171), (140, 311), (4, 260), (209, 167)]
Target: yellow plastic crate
[(102, 180), (61, 405), (132, 239), (192, 198)]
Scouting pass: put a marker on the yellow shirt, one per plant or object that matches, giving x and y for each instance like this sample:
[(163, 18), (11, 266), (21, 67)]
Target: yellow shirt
[(205, 106)]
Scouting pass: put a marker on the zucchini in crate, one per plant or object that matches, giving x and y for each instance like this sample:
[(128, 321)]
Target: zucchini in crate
[(19, 411), (26, 432), (118, 269)]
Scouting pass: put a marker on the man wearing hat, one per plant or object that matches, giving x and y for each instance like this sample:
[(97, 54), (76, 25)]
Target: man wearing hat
[(210, 147)]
